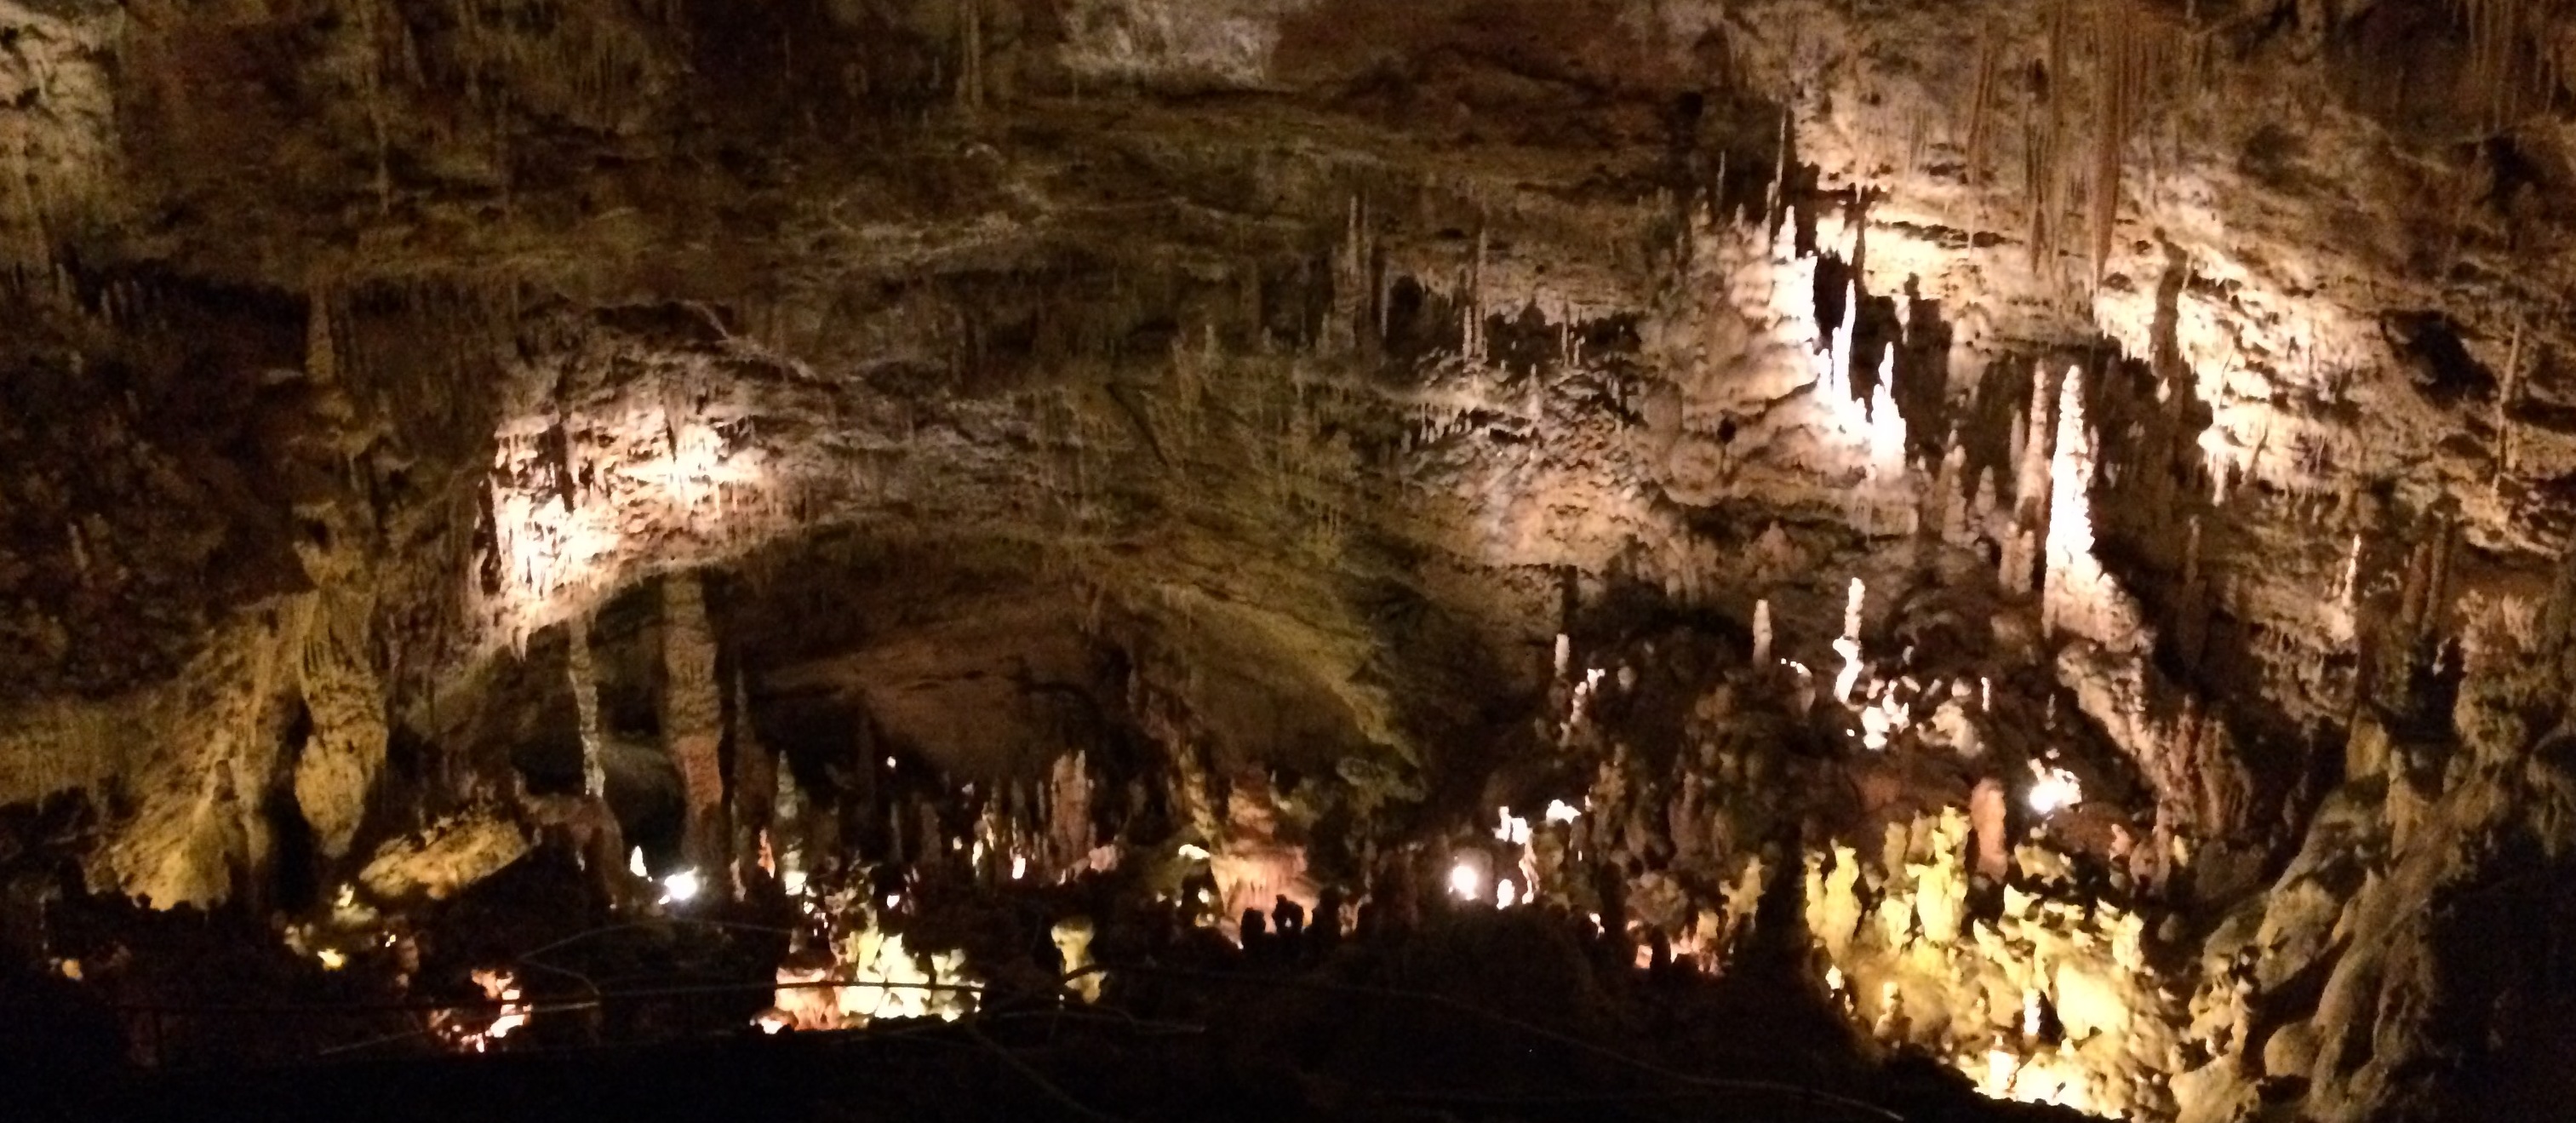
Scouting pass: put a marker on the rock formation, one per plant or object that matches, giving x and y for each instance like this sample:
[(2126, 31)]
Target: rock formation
[(1217, 454)]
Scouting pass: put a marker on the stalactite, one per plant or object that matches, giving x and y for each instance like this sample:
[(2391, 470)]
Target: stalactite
[(2512, 387), (1847, 645), (2040, 171), (2494, 31), (970, 82), (2124, 54), (1981, 99)]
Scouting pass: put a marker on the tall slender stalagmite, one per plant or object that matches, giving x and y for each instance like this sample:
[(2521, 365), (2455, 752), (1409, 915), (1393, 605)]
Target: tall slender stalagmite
[(693, 718), (602, 843), (755, 790), (585, 699)]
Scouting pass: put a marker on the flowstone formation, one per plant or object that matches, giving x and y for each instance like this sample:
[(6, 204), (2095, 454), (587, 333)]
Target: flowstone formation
[(2022, 543)]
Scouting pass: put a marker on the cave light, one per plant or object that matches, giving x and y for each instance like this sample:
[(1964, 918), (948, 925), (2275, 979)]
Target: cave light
[(682, 887), (1559, 811), (1019, 866), (1506, 894), (1194, 852), (1464, 882), (332, 959), (2055, 790), (1513, 829), (635, 863), (1998, 1080)]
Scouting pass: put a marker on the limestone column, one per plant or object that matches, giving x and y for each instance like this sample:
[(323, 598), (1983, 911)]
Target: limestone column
[(693, 720), (585, 702), (755, 790), (597, 835)]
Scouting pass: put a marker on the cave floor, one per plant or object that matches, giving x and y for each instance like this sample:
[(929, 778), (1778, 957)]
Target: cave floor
[(1478, 1016)]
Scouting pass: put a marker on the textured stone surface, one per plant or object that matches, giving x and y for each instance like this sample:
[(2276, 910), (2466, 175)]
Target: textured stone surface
[(1270, 383)]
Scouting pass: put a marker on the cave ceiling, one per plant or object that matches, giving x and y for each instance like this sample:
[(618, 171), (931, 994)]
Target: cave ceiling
[(1285, 377)]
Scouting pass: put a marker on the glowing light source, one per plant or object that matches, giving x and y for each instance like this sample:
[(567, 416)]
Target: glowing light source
[(1513, 829), (682, 887), (635, 862), (1194, 852), (1465, 882), (1559, 811), (1019, 867), (2055, 790), (1506, 894), (332, 959), (2000, 1067)]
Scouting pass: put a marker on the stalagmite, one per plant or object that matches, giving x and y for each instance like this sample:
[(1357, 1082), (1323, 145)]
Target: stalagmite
[(2077, 594), (1762, 633), (692, 718), (585, 698), (1847, 645), (754, 788)]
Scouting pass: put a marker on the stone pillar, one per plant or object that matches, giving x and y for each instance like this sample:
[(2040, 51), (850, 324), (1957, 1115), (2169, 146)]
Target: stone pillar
[(755, 790), (693, 720), (596, 835)]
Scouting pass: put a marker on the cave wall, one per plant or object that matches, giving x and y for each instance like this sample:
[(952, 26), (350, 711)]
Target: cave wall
[(369, 343)]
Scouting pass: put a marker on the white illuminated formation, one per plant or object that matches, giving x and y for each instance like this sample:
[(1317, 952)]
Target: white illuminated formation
[(682, 887), (889, 980), (1506, 894), (2055, 790), (2078, 595), (1848, 644), (1513, 830), (1882, 720), (1559, 811)]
